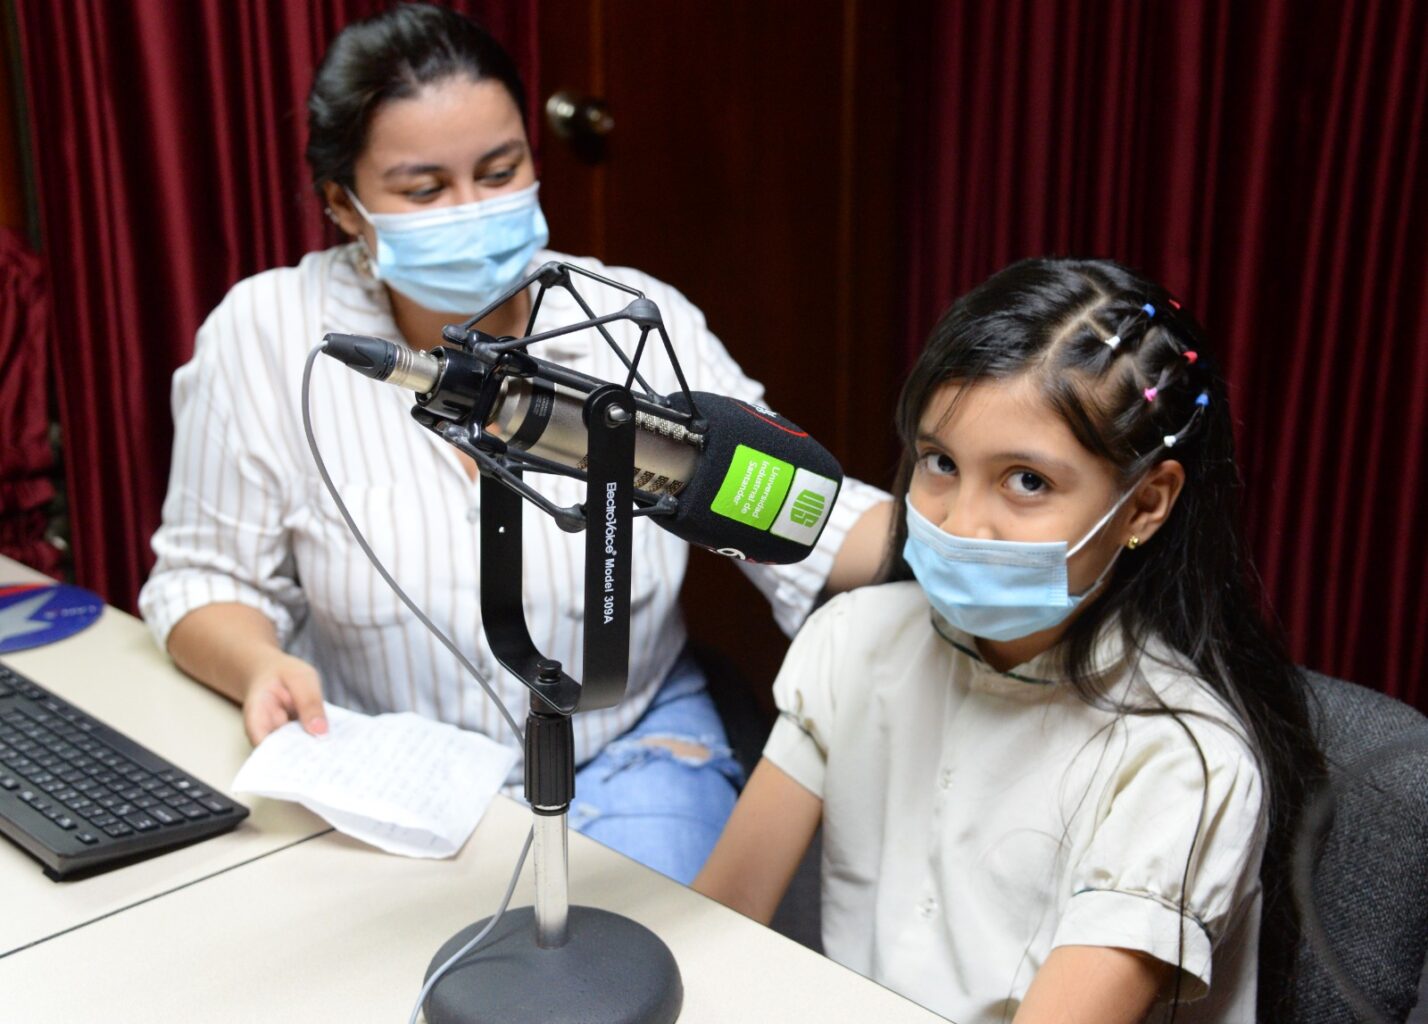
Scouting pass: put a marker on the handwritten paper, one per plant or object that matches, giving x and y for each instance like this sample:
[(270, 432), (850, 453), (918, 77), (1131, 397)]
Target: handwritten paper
[(401, 782)]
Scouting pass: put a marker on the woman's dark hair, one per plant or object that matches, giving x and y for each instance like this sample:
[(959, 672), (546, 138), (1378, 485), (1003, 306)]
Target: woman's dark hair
[(390, 56), (1095, 337)]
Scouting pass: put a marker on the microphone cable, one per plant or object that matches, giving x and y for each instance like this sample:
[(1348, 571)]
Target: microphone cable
[(446, 641)]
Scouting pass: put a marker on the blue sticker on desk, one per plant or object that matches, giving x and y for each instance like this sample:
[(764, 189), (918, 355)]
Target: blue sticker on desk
[(33, 614)]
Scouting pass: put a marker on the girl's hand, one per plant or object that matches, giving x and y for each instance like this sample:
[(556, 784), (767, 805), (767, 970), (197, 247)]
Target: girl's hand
[(281, 689)]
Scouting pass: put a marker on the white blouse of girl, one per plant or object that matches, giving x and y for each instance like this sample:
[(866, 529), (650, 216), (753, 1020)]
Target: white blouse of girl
[(1045, 761)]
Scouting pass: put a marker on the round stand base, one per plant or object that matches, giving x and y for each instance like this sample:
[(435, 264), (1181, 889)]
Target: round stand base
[(610, 971)]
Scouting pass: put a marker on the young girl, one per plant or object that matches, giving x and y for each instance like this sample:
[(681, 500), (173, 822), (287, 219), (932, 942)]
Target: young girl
[(1047, 769)]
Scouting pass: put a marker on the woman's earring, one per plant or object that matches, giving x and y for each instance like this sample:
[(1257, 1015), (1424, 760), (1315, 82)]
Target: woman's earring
[(362, 259), (1133, 543)]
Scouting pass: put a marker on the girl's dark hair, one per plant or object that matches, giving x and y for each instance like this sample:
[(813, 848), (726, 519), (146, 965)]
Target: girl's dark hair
[(1192, 584), (389, 56)]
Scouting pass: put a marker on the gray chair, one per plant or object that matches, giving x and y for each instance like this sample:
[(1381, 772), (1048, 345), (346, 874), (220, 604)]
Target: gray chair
[(1363, 856)]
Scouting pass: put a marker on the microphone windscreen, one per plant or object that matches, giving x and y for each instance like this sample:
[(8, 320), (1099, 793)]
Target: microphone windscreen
[(762, 490)]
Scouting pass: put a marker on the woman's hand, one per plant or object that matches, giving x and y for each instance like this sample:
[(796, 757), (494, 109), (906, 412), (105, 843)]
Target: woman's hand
[(233, 649), (283, 688)]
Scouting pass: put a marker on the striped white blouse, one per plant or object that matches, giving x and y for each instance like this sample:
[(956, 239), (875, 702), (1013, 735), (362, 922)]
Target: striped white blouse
[(247, 519)]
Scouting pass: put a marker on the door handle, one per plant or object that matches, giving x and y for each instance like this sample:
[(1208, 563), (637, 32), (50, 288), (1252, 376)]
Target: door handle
[(584, 122)]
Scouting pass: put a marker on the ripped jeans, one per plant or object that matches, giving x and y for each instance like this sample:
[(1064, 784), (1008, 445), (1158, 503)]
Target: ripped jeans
[(660, 808)]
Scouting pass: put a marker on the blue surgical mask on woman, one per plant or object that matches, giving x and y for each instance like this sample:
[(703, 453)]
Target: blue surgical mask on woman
[(996, 589), (458, 259)]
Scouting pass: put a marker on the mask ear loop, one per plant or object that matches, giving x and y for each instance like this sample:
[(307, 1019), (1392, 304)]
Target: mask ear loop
[(368, 258), (357, 204)]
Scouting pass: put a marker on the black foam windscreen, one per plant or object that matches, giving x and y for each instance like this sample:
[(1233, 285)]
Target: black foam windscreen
[(763, 489)]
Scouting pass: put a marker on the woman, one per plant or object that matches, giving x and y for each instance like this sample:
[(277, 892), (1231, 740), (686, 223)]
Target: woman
[(418, 147)]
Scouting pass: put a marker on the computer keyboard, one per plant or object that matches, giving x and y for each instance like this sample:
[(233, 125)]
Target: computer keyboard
[(81, 797)]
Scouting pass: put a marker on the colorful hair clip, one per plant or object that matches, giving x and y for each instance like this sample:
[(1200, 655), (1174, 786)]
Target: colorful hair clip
[(1113, 341), (1190, 357), (1150, 394), (1174, 304), (1149, 310), (1204, 399)]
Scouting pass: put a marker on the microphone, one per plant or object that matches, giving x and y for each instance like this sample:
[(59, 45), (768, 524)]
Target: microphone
[(753, 486)]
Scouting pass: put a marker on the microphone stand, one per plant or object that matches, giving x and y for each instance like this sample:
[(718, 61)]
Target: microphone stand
[(553, 963)]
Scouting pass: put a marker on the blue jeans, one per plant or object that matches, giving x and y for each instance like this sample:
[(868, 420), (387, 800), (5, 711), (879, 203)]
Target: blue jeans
[(653, 805)]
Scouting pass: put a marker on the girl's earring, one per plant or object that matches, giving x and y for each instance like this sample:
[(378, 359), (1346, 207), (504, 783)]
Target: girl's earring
[(1133, 543)]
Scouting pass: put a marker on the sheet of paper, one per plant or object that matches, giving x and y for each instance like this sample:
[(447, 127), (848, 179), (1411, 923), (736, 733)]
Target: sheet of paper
[(401, 782)]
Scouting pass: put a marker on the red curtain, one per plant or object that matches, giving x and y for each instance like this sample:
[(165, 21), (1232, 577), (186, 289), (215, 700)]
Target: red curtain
[(167, 141), (26, 461), (1266, 162)]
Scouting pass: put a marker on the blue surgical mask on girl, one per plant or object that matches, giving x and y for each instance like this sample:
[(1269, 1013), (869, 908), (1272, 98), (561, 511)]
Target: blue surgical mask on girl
[(996, 589), (458, 259)]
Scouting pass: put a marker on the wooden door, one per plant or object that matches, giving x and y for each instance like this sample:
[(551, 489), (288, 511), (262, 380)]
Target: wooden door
[(753, 165)]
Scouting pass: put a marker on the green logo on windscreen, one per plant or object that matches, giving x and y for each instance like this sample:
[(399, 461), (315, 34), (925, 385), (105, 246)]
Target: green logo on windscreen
[(753, 488), (807, 508)]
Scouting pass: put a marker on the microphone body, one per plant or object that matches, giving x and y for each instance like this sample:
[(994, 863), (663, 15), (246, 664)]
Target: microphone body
[(752, 486)]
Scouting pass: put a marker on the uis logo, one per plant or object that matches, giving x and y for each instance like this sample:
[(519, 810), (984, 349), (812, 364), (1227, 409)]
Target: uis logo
[(807, 508), (32, 614)]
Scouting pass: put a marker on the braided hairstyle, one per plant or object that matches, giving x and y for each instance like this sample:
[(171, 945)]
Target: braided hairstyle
[(1127, 369)]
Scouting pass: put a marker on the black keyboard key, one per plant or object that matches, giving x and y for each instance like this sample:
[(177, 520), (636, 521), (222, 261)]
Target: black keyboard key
[(87, 838), (191, 810), (102, 818), (141, 821), (130, 792), (164, 814), (9, 782), (66, 822), (216, 805), (40, 804), (145, 801), (165, 793), (27, 795), (117, 829)]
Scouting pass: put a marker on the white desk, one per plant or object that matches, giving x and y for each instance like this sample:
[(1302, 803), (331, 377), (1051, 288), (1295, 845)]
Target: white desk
[(114, 671), (285, 921)]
